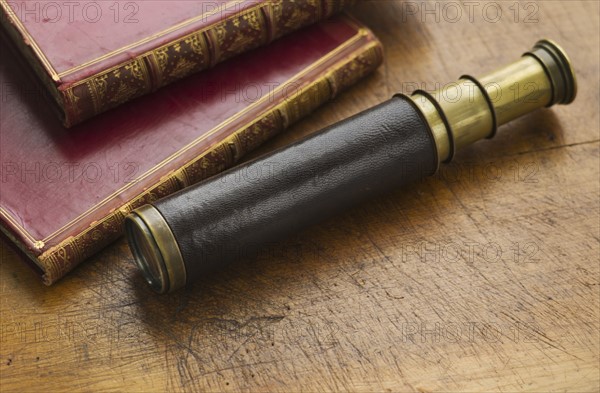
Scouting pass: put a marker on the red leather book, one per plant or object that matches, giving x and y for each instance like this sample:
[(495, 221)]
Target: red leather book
[(65, 192), (93, 56)]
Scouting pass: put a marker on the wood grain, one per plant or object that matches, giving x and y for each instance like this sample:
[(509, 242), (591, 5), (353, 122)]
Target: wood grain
[(482, 278)]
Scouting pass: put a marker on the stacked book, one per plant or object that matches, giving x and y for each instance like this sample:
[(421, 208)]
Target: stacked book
[(106, 107)]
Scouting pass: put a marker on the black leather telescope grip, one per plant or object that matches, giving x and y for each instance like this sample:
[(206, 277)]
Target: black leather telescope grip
[(233, 214)]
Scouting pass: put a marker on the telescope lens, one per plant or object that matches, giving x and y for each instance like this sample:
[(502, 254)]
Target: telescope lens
[(146, 253)]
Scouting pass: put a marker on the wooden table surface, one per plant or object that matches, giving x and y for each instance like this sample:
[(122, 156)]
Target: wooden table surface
[(482, 278)]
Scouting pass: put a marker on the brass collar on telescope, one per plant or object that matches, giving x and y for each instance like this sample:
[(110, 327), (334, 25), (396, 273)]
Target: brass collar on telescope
[(155, 249)]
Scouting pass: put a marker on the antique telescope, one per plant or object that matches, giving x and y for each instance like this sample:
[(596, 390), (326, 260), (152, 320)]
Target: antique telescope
[(206, 226)]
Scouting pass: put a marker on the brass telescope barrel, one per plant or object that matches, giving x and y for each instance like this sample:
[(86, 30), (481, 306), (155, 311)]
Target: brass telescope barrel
[(471, 109), (182, 237)]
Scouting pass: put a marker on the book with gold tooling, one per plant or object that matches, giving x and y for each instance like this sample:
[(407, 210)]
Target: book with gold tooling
[(93, 56), (65, 192)]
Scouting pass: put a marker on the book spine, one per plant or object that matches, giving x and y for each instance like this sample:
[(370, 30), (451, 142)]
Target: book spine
[(253, 27), (59, 260)]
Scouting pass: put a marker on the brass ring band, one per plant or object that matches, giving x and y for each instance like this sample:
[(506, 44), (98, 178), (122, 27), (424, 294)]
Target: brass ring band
[(155, 249), (487, 98), (442, 115)]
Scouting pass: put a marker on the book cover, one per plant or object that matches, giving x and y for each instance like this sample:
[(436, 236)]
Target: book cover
[(93, 56), (65, 192)]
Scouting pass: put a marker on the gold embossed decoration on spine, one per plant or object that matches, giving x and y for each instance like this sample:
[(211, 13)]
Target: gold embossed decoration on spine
[(107, 90), (236, 32)]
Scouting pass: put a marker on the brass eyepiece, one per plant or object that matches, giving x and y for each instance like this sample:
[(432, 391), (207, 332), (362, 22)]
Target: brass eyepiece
[(559, 69), (471, 109)]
